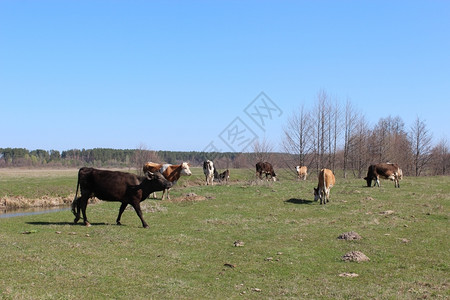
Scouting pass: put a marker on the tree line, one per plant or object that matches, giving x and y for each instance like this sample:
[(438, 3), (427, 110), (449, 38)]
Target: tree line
[(102, 157), (330, 135), (339, 137)]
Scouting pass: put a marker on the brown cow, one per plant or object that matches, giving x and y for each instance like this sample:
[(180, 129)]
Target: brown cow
[(385, 171), (170, 172), (115, 186), (326, 182), (302, 172), (224, 176), (266, 168)]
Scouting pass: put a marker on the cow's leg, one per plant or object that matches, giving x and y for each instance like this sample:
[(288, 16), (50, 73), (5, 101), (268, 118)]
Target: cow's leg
[(377, 182), (121, 210), (137, 207), (83, 205), (76, 210)]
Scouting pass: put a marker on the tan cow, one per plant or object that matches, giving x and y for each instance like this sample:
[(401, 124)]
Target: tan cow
[(302, 172), (326, 182), (170, 172)]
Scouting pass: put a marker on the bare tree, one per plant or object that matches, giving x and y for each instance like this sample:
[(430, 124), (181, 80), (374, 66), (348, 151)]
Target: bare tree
[(320, 130), (440, 160), (263, 150), (358, 152), (334, 133), (420, 138), (349, 127), (297, 139), (143, 155)]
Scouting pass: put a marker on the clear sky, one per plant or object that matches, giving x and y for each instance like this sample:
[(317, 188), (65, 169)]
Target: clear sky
[(186, 75)]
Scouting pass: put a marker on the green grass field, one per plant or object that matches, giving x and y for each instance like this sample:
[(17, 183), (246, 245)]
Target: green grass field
[(290, 246)]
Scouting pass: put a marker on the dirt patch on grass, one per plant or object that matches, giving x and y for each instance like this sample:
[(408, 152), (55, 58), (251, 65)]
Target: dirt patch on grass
[(189, 197), (356, 256), (349, 236)]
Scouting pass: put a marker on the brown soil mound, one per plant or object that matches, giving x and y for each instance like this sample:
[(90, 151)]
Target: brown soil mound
[(349, 236), (355, 256)]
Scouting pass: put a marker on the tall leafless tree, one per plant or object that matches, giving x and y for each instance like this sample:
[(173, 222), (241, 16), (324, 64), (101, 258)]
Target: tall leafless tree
[(421, 139), (440, 158), (359, 141), (297, 139), (351, 118), (320, 130)]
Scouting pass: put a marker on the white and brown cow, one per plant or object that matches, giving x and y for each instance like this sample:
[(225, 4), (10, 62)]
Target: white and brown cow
[(208, 170), (326, 182), (170, 172), (302, 172), (266, 168), (385, 171)]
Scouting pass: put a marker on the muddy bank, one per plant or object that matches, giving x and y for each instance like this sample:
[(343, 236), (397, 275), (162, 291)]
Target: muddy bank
[(19, 202)]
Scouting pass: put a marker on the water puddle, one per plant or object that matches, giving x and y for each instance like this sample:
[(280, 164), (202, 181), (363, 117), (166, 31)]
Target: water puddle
[(30, 211)]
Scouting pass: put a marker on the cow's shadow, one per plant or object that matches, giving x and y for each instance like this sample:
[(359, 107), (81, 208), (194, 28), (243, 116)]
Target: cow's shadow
[(63, 223), (299, 201)]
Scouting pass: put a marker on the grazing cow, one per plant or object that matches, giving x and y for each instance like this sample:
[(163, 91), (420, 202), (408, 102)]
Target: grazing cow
[(266, 168), (170, 172), (302, 172), (385, 171), (208, 170), (326, 182), (115, 186), (224, 176)]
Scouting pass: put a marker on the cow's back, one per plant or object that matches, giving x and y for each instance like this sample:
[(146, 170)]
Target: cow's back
[(151, 167), (330, 180), (105, 184)]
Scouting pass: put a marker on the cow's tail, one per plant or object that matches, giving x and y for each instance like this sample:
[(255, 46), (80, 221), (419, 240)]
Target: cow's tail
[(75, 200)]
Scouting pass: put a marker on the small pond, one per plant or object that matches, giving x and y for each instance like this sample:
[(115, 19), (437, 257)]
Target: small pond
[(30, 211)]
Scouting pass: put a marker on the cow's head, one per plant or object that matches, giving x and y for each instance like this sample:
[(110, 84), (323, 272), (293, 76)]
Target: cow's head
[(158, 180), (368, 179), (274, 176), (185, 169), (317, 195)]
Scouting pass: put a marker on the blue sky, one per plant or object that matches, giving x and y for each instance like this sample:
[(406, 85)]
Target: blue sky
[(179, 75)]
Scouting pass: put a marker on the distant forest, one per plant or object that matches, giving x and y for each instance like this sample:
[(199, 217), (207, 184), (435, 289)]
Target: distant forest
[(438, 163), (102, 157)]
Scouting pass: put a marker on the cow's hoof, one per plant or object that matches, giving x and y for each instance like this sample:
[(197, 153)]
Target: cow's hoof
[(146, 226), (75, 221), (118, 223), (87, 224)]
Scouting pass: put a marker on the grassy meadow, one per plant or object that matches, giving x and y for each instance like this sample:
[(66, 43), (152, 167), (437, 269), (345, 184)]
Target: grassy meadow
[(288, 243)]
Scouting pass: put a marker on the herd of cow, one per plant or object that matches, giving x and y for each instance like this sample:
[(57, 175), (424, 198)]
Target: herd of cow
[(131, 189)]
